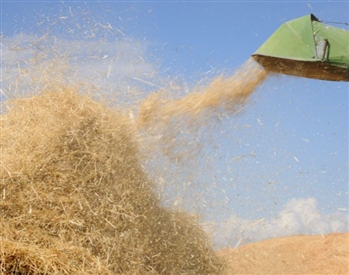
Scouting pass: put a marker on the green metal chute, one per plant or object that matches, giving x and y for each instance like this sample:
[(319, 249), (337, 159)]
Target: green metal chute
[(309, 48)]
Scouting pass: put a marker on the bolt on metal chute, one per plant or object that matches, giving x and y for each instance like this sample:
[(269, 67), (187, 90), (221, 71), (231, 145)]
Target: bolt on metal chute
[(306, 47)]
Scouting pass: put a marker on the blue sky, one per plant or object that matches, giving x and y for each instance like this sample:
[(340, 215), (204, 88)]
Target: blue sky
[(281, 166)]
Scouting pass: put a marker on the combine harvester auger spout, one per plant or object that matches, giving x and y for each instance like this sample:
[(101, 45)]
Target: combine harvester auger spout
[(306, 47)]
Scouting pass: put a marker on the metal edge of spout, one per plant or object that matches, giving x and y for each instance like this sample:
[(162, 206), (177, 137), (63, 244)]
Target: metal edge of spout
[(306, 47)]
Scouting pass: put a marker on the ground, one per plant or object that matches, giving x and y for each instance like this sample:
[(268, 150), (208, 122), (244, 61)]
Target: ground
[(310, 255)]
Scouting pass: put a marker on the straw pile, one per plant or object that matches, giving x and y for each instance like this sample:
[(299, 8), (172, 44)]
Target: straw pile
[(75, 200)]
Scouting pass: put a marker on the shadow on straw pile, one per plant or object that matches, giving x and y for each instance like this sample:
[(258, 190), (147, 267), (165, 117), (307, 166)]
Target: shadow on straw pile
[(75, 199)]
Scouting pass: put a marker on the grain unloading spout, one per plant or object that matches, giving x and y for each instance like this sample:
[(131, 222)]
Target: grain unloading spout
[(306, 47)]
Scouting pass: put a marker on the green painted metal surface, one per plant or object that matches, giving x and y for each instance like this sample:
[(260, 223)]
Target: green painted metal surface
[(306, 47)]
